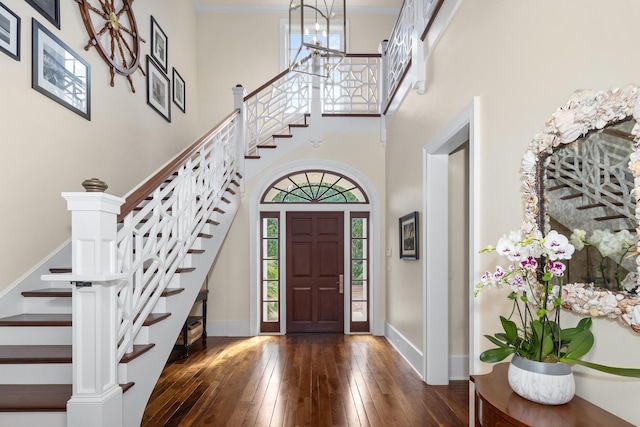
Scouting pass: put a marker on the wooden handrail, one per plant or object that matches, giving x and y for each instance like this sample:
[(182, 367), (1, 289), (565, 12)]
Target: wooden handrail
[(431, 19), (267, 84), (146, 188), (285, 72)]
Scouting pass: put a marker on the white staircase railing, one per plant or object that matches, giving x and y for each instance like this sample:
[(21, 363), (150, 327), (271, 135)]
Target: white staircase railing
[(353, 89), (157, 234), (121, 264)]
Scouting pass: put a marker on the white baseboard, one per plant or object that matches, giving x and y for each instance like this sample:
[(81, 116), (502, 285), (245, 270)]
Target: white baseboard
[(237, 328), (458, 364), (408, 351), (459, 367)]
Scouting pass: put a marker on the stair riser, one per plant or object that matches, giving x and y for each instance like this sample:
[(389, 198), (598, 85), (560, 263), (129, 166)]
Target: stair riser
[(41, 373), (47, 305), (28, 419), (34, 335)]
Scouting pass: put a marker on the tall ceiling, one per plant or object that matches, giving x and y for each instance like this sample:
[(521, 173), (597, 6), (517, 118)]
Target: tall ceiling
[(262, 3)]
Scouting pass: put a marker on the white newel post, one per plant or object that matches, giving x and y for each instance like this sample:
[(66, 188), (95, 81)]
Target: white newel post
[(97, 396)]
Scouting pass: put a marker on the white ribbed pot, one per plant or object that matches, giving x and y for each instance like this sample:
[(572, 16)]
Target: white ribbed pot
[(546, 383)]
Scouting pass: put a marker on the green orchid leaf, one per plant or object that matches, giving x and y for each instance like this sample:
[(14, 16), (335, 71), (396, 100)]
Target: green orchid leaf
[(547, 346), (585, 323), (623, 372), (496, 341), (501, 336), (496, 354), (567, 335), (510, 329), (580, 344)]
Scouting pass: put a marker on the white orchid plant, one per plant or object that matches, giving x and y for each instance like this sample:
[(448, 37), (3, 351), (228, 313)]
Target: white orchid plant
[(535, 279)]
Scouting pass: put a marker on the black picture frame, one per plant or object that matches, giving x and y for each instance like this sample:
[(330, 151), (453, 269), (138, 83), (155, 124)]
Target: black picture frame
[(179, 91), (9, 32), (159, 45), (50, 9), (409, 232), (158, 89), (55, 80)]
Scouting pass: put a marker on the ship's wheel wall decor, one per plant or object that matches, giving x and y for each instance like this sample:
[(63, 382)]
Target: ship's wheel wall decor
[(113, 31)]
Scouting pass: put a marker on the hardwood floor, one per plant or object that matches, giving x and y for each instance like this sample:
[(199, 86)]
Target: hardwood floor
[(301, 380)]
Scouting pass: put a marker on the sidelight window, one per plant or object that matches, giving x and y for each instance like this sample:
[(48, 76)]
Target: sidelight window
[(359, 272), (270, 274)]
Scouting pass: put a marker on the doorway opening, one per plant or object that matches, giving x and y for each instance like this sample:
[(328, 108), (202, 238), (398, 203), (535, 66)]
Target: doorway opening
[(314, 271), (460, 132)]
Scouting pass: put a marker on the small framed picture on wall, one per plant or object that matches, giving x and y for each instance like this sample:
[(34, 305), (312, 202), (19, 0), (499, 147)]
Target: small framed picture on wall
[(409, 236), (59, 73), (179, 91), (50, 9), (159, 45), (158, 90), (9, 32)]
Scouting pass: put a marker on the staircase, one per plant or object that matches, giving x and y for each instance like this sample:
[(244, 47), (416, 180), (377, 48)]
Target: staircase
[(166, 237), (166, 244)]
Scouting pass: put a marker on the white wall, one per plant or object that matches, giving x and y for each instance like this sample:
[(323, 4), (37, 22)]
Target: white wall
[(523, 60), (47, 149)]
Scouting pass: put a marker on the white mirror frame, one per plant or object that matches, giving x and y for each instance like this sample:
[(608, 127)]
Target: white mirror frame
[(585, 111)]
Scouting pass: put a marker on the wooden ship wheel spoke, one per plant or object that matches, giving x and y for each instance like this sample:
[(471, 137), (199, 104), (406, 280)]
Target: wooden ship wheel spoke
[(113, 31)]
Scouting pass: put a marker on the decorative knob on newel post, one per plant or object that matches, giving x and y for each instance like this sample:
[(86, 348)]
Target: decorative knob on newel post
[(97, 396)]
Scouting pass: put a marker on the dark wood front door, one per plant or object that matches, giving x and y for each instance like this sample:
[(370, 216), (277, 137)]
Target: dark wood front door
[(315, 261)]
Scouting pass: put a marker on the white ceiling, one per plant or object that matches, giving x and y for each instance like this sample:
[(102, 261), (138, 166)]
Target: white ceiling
[(253, 6), (354, 3)]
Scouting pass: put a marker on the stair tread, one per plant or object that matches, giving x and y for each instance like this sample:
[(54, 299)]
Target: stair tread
[(26, 354), (10, 354), (48, 292), (31, 319), (38, 397), (64, 319), (155, 318), (34, 397)]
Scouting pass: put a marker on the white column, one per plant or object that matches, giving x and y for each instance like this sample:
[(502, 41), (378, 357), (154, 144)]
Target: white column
[(315, 110), (97, 396)]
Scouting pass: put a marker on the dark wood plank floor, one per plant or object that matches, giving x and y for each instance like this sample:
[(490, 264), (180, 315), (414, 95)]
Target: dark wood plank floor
[(301, 380)]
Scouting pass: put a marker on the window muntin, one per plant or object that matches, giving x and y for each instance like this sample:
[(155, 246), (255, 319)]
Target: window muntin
[(314, 186)]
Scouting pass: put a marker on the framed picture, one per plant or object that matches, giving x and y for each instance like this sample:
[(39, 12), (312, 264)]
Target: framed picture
[(409, 236), (159, 45), (50, 9), (59, 73), (178, 91), (158, 90), (9, 32)]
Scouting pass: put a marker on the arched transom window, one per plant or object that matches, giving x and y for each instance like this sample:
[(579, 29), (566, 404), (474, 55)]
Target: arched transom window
[(314, 186)]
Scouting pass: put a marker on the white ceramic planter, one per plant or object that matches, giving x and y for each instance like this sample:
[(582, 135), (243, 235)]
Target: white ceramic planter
[(546, 383)]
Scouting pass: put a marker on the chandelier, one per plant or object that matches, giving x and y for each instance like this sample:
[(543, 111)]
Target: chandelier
[(317, 36)]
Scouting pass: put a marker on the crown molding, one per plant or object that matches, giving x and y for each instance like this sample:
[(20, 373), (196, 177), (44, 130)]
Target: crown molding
[(280, 10)]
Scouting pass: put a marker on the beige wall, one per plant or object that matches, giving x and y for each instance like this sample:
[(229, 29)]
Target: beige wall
[(523, 60), (229, 276), (243, 48), (47, 149)]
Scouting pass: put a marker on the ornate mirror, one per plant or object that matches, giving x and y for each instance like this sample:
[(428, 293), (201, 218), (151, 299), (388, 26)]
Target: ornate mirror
[(581, 177)]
